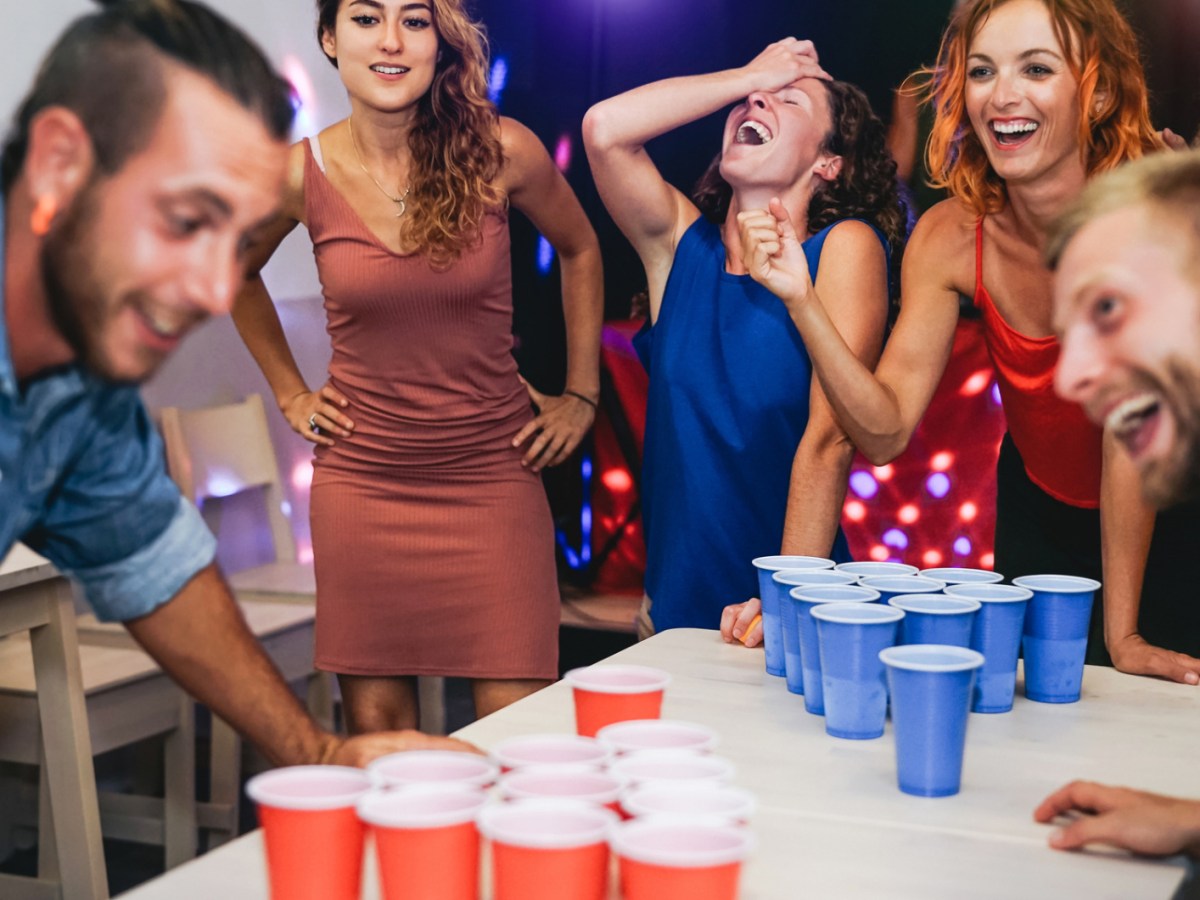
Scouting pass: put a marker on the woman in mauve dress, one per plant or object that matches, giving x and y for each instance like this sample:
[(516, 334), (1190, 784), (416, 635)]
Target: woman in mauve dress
[(432, 538)]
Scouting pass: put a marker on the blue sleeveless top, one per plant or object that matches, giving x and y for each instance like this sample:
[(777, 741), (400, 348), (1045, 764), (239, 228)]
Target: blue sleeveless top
[(728, 404)]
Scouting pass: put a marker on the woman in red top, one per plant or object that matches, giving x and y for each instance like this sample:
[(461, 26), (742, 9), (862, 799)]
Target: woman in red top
[(1032, 97)]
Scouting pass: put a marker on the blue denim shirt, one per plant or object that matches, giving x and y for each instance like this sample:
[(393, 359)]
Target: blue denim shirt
[(83, 482)]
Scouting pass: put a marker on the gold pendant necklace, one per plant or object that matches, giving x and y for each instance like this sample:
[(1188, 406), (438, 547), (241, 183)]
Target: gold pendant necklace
[(401, 204)]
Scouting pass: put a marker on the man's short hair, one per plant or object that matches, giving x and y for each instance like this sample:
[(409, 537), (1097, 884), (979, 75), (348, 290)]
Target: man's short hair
[(108, 68), (1167, 181)]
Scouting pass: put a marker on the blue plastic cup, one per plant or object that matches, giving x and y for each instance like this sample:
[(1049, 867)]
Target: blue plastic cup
[(936, 619), (769, 595), (931, 687), (963, 575), (890, 586), (865, 568), (997, 635), (804, 599), (788, 579), (850, 637), (1056, 633)]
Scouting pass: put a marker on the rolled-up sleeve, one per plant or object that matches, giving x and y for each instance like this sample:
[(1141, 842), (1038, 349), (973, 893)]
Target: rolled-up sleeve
[(114, 520), (140, 583)]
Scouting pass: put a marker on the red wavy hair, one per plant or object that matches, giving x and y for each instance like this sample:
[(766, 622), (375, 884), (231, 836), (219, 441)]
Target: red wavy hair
[(1102, 53)]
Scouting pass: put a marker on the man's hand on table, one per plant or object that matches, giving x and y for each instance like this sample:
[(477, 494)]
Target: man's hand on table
[(1134, 656), (360, 750), (1151, 824), (739, 625)]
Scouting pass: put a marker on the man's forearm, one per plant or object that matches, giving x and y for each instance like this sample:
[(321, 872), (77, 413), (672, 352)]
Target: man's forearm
[(201, 639)]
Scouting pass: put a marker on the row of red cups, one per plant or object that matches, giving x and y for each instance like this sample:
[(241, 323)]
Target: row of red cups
[(315, 820)]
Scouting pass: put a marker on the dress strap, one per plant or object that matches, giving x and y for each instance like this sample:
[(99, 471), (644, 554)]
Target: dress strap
[(979, 256), (314, 145)]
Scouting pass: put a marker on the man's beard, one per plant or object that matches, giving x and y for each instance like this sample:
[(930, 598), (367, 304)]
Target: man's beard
[(1176, 478), (78, 303)]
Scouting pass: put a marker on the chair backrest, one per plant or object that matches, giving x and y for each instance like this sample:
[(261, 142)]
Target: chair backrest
[(220, 451)]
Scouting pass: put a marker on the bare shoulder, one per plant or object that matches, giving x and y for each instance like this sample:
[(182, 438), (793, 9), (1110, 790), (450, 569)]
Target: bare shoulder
[(519, 143), (293, 196), (942, 246), (852, 240)]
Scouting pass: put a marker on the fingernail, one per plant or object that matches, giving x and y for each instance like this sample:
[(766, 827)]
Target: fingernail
[(1192, 678), (737, 633), (1056, 836)]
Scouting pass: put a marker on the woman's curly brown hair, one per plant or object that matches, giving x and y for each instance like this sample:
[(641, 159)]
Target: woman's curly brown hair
[(864, 189), (455, 142)]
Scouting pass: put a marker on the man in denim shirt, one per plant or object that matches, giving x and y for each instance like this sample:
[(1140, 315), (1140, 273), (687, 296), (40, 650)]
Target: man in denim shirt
[(148, 154)]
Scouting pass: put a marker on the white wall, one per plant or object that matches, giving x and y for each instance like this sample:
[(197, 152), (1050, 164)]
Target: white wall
[(213, 366)]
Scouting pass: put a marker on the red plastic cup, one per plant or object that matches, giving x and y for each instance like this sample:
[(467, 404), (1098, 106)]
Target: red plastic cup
[(313, 835), (717, 804), (548, 849), (421, 767), (670, 859), (658, 734), (543, 750), (609, 693), (426, 841), (673, 766), (563, 783)]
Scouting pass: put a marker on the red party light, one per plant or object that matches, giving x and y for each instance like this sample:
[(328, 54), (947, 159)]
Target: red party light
[(941, 461), (987, 561), (908, 513), (968, 511), (880, 553), (932, 558), (855, 511), (617, 480), (885, 473), (977, 383)]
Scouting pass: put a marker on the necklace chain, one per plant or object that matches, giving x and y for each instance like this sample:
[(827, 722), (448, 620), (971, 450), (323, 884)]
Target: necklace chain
[(401, 204)]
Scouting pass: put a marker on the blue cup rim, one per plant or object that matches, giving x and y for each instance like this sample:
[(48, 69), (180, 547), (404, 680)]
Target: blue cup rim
[(1058, 584), (961, 605), (783, 575), (779, 563), (902, 584), (858, 594), (896, 658), (892, 568), (949, 573), (849, 613), (1008, 593)]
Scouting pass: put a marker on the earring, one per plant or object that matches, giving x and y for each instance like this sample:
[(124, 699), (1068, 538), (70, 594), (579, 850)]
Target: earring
[(43, 215)]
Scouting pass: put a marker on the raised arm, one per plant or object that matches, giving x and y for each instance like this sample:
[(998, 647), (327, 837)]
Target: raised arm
[(650, 212), (258, 324), (536, 187), (879, 410)]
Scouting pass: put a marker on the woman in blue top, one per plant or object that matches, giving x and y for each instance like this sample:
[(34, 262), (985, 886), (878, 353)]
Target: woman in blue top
[(743, 456)]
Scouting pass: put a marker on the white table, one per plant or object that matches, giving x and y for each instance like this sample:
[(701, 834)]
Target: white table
[(832, 822)]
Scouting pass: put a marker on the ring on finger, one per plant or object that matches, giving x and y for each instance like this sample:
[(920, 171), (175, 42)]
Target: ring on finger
[(312, 423)]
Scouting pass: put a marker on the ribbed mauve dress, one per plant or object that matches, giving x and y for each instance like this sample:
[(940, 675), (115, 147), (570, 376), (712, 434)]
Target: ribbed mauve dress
[(434, 548)]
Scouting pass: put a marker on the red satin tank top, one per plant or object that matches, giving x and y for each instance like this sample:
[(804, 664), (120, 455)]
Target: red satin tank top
[(1059, 446)]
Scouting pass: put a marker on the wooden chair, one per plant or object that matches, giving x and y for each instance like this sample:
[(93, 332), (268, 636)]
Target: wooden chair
[(60, 703)]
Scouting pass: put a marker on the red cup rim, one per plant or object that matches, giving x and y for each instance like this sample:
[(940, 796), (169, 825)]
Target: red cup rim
[(632, 735), (700, 802), (670, 765), (534, 784), (595, 824), (477, 770), (633, 840), (429, 807), (265, 789), (583, 679), (507, 752)]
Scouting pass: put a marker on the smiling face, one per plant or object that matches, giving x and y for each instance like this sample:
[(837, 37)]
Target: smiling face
[(773, 139), (386, 50), (1021, 96), (142, 255), (1127, 309)]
